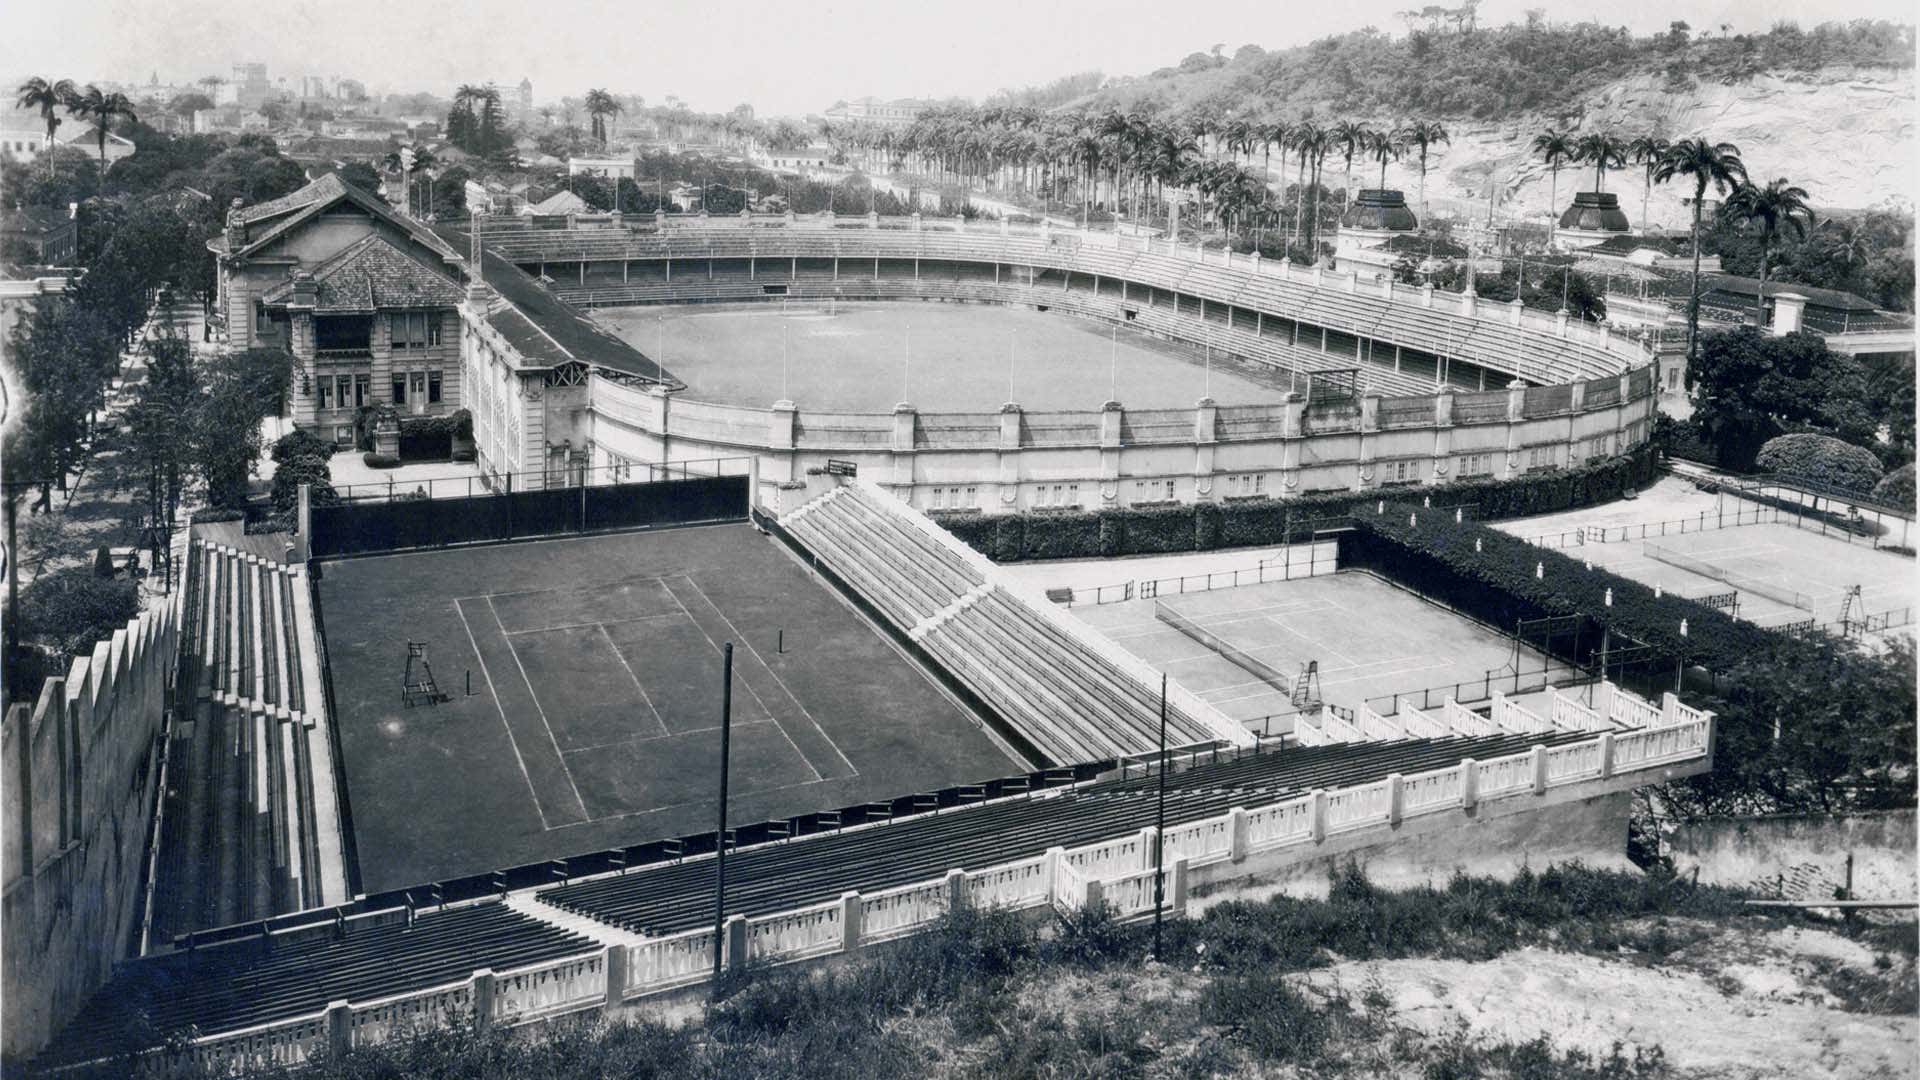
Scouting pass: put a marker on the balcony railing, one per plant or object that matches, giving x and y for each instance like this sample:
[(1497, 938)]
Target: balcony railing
[(358, 352)]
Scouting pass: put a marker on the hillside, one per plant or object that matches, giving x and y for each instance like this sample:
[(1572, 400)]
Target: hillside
[(1833, 108)]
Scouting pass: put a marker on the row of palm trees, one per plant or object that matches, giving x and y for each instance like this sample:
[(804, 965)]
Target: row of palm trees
[(102, 109), (1132, 159)]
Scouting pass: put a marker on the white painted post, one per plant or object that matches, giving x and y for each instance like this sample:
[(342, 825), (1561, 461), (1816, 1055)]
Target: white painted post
[(1237, 829), (959, 890), (1396, 798), (483, 997), (1096, 895), (1178, 891), (736, 944), (1469, 783), (1606, 754), (1319, 814), (1052, 864), (1539, 770), (1669, 709), (339, 1027), (615, 959), (850, 915), (1147, 836), (1603, 700)]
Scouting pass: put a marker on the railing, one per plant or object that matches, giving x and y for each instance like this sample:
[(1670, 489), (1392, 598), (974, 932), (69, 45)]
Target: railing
[(462, 487), (1705, 521), (1465, 721), (1122, 867)]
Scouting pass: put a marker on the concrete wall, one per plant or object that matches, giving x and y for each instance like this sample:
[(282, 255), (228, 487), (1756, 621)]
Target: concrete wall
[(1742, 851), (81, 766), (1116, 457)]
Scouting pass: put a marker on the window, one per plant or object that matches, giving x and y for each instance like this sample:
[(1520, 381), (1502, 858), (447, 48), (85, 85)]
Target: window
[(399, 388), (342, 387), (343, 434), (1400, 472), (417, 385), (1541, 458), (415, 329), (1476, 465), (1152, 491), (362, 390), (973, 497), (1246, 485), (433, 388), (323, 394)]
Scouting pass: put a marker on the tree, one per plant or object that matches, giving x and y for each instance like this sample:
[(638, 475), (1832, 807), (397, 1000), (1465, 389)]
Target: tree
[(1646, 151), (1603, 150), (361, 175), (1896, 488), (1715, 164), (103, 110), (185, 105), (240, 390), (39, 93), (1384, 146), (1771, 207), (600, 106), (1746, 387), (1351, 138), (72, 609), (1553, 147), (1425, 134), (1821, 459)]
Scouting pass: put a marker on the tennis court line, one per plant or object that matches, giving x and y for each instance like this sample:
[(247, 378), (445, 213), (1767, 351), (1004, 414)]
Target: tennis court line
[(691, 802), (756, 694), (784, 688), (669, 735), (539, 708), (501, 709), (603, 624), (622, 657)]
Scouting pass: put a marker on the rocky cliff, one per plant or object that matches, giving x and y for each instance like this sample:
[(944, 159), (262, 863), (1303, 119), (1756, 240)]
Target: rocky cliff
[(1847, 135)]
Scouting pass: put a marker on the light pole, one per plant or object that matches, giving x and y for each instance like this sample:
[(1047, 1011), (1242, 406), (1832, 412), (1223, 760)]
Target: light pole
[(720, 838)]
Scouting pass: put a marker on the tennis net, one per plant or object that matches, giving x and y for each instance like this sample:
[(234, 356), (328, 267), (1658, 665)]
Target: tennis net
[(1755, 586)]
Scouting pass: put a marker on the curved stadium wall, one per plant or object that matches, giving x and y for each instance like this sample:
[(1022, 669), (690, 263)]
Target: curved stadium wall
[(1448, 387)]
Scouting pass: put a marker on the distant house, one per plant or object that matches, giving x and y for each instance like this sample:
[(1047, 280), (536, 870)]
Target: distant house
[(557, 204), (897, 113), (40, 235), (609, 168), (23, 136)]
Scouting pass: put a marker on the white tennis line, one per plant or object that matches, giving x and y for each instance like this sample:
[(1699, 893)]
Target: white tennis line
[(584, 812), (669, 735), (644, 696), (495, 694), (690, 802), (602, 625), (1328, 649), (756, 694), (784, 688)]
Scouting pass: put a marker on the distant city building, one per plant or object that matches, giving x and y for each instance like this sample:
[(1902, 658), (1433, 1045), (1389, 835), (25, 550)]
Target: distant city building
[(23, 136), (872, 110), (515, 98), (248, 87), (610, 168), (39, 235)]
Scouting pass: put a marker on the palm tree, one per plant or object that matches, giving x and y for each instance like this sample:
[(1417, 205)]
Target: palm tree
[(1424, 134), (1717, 164), (1384, 146), (102, 109), (1771, 207), (1309, 143), (1351, 138), (601, 105), (39, 93), (1604, 151), (1646, 152), (1554, 147)]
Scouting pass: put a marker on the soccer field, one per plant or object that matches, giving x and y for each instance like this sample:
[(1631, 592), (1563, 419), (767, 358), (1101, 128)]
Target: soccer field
[(963, 358), (584, 678)]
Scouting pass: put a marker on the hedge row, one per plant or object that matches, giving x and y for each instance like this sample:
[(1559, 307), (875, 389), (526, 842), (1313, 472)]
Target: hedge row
[(1208, 526), (1485, 567)]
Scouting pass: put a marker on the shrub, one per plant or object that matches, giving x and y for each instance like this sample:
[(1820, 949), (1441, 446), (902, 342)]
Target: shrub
[(71, 609), (303, 470), (376, 460), (300, 443), (1896, 488), (210, 514), (1821, 459), (103, 563)]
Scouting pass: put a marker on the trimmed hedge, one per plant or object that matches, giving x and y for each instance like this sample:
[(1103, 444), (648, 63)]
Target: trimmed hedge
[(1821, 459), (376, 460), (1896, 488), (1210, 526)]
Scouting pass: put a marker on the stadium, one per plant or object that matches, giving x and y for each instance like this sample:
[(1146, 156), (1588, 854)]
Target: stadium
[(457, 753)]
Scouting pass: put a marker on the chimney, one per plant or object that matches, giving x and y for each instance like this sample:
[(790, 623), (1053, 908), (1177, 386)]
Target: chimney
[(306, 291), (236, 228)]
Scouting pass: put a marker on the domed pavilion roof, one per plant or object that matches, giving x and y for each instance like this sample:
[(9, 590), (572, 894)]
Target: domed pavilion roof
[(1378, 208), (1595, 211)]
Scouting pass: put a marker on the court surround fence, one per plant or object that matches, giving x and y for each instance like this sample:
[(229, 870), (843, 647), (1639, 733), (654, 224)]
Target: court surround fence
[(366, 527), (1118, 874)]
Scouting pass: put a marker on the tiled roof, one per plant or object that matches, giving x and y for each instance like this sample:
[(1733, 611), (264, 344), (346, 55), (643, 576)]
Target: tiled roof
[(373, 274), (561, 202), (325, 189), (1826, 298)]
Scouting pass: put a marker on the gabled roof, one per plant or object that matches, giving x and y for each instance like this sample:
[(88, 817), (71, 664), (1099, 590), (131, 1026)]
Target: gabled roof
[(289, 211), (561, 202), (370, 275), (1825, 298)]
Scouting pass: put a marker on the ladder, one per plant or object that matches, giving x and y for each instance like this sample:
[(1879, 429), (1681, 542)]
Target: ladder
[(1306, 688)]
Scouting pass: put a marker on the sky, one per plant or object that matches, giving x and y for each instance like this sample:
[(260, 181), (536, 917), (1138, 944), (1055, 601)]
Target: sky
[(783, 58)]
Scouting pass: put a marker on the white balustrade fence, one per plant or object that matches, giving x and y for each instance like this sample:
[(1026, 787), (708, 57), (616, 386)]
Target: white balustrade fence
[(1359, 807), (546, 989), (1569, 715), (1281, 823), (1510, 716), (669, 962), (1373, 726), (898, 912), (1576, 761), (797, 935), (1428, 791), (1420, 725), (1503, 776), (1014, 886), (1465, 721), (1630, 711)]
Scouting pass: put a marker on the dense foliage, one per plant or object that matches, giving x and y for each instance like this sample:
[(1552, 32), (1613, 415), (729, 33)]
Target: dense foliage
[(1896, 488), (1207, 526), (1821, 459), (1748, 387), (69, 610)]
